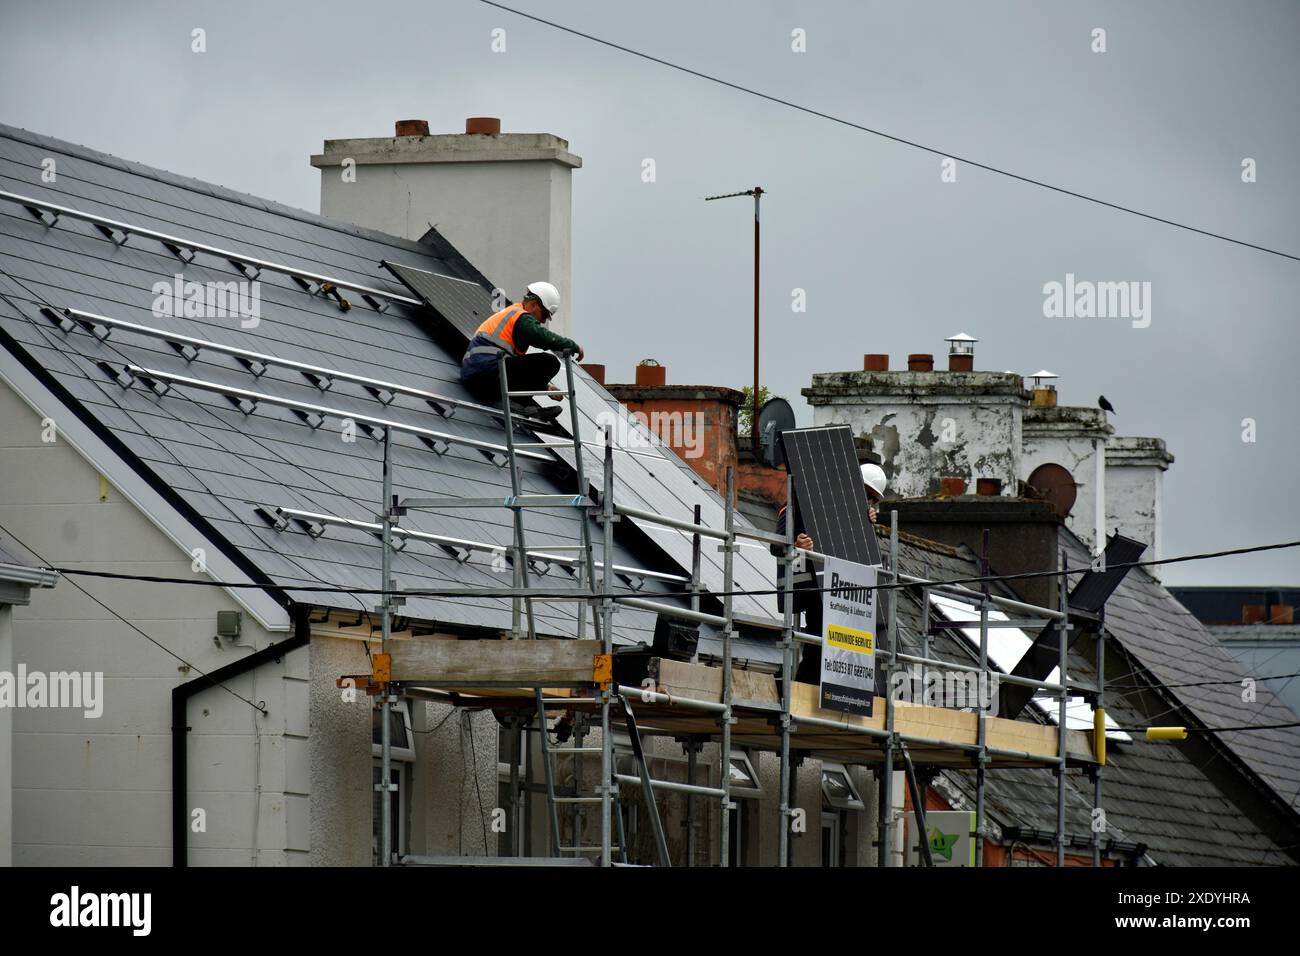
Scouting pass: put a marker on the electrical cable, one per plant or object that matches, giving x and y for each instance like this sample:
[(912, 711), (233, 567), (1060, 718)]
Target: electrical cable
[(890, 136), (541, 594)]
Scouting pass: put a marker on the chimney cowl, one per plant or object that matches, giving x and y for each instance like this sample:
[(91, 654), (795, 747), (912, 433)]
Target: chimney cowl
[(483, 125), (412, 127)]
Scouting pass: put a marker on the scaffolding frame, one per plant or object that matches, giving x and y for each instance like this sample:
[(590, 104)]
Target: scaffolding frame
[(891, 741)]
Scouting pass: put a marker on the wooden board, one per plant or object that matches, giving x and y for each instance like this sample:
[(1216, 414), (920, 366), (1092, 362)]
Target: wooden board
[(464, 663), (702, 682)]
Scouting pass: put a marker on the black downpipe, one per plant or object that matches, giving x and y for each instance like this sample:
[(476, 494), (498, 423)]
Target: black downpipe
[(180, 723)]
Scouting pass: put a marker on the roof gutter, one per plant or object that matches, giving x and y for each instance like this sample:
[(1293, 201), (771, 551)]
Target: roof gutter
[(28, 577), (180, 726)]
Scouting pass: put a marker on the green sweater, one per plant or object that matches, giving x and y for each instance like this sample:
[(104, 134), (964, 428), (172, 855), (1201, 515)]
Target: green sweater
[(529, 333)]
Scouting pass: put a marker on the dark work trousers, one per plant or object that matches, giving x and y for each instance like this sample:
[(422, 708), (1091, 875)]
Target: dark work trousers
[(529, 372), (808, 668), (810, 662)]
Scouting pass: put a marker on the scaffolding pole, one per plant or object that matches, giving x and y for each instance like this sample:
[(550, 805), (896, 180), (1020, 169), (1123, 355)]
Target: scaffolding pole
[(1099, 729), (981, 759), (886, 824), (608, 785), (385, 733), (1063, 646), (728, 556), (787, 673)]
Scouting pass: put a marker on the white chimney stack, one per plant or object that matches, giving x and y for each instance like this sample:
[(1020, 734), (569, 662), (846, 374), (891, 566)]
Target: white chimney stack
[(1135, 471), (504, 200)]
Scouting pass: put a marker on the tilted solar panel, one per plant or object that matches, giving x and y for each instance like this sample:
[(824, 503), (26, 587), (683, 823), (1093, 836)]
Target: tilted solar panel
[(831, 501), (463, 303)]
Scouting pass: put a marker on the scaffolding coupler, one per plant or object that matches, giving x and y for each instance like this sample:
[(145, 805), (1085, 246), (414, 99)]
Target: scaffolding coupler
[(376, 681)]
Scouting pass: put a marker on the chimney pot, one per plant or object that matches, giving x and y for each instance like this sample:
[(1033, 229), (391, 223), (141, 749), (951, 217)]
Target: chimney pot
[(412, 127), (952, 487), (1281, 614), (875, 363), (1253, 613), (595, 370), (961, 362), (920, 362), (650, 373), (483, 125), (988, 487)]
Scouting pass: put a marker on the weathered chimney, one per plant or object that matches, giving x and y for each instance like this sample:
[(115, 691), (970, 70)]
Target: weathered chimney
[(502, 199)]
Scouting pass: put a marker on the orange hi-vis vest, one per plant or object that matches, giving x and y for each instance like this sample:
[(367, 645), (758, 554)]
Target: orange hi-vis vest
[(497, 333)]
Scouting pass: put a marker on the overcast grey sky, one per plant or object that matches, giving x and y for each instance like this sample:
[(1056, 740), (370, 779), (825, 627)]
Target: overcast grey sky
[(891, 258)]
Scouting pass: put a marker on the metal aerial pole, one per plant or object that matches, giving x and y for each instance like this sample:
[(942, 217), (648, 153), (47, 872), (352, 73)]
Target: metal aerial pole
[(757, 193)]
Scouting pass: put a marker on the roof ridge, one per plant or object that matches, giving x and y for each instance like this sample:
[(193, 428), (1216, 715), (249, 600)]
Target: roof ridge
[(215, 190)]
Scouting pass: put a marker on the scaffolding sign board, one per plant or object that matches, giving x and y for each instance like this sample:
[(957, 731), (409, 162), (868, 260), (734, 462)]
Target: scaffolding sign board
[(848, 677)]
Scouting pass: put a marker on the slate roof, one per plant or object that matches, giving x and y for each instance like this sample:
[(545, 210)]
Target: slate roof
[(1178, 650), (1153, 793), (216, 464)]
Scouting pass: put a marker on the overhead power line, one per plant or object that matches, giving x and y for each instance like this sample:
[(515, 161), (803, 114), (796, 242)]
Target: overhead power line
[(543, 594), (890, 136)]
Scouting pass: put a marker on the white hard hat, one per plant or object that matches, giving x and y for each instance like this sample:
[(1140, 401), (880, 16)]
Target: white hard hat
[(873, 476), (547, 294)]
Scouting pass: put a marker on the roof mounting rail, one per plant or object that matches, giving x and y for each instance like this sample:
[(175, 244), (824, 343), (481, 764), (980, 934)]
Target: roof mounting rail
[(247, 401), (323, 378), (456, 545), (179, 247)]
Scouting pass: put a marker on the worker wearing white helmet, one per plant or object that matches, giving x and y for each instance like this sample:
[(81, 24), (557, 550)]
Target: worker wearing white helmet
[(810, 664), (506, 336)]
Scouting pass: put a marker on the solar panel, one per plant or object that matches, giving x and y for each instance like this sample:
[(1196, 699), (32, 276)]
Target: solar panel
[(1097, 585), (463, 303), (830, 499), (1088, 595)]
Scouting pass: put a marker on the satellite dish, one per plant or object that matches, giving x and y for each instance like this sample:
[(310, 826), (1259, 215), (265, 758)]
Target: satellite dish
[(1056, 486), (774, 417)]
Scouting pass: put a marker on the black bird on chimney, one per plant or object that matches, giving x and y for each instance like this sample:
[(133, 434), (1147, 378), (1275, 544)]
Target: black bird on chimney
[(1105, 405)]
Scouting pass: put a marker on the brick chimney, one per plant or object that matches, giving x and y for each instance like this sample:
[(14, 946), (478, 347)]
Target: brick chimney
[(696, 421), (502, 199)]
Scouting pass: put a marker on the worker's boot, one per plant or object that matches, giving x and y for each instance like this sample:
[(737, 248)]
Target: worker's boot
[(529, 410)]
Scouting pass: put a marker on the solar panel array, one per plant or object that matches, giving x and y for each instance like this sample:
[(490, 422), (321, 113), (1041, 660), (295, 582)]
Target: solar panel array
[(831, 502)]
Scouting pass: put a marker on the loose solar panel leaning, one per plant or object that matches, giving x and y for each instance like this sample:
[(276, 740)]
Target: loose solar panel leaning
[(1086, 599), (831, 503), (463, 303)]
